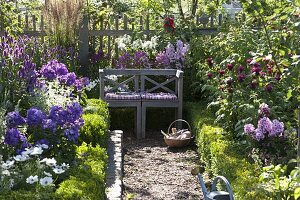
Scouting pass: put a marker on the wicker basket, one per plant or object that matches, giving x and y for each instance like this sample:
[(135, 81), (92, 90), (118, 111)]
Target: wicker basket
[(178, 142)]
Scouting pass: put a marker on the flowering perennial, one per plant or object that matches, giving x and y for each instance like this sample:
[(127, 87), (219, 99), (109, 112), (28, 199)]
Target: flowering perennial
[(265, 127)]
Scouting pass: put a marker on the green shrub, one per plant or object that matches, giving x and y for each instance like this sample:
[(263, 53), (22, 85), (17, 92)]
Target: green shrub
[(96, 123), (87, 180), (222, 156), (94, 130), (97, 106)]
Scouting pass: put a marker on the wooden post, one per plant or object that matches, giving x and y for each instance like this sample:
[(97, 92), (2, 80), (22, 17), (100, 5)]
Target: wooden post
[(101, 37), (34, 22), (298, 134), (84, 41), (220, 19), (116, 45)]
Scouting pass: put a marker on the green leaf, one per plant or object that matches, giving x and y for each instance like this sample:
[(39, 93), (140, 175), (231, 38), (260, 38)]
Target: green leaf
[(297, 193)]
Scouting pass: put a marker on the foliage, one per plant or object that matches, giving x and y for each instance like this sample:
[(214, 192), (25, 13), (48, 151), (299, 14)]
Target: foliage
[(254, 66), (95, 130), (66, 16), (87, 179), (276, 182)]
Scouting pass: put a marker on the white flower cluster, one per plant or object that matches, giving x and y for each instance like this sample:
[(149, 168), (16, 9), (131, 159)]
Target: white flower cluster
[(10, 167), (124, 43)]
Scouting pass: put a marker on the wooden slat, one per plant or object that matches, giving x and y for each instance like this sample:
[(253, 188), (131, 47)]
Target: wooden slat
[(26, 22), (212, 20), (19, 20), (220, 19), (125, 22), (160, 85), (117, 28), (141, 23), (101, 36), (116, 33), (34, 22), (108, 41)]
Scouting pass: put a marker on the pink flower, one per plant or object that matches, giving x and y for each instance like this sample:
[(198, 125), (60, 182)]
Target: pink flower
[(249, 60), (256, 70)]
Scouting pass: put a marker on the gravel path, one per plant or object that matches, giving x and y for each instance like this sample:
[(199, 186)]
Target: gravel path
[(154, 171)]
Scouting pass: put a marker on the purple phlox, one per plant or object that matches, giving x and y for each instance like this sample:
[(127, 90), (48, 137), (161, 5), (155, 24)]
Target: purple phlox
[(249, 128), (13, 136), (259, 135), (277, 128), (49, 124), (141, 59), (71, 134), (265, 125), (14, 119), (35, 117)]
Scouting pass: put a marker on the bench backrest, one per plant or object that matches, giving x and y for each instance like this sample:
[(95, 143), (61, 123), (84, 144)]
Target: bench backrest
[(142, 80)]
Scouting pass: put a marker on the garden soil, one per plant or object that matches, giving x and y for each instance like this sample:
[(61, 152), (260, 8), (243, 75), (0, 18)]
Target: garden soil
[(155, 172)]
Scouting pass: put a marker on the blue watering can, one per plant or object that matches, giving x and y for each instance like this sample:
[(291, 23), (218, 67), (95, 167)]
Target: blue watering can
[(214, 194)]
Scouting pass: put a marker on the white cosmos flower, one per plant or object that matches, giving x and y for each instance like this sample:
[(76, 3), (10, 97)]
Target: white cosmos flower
[(21, 157), (43, 146), (6, 173), (107, 88), (58, 170), (32, 179), (37, 150), (46, 181), (49, 161), (8, 164)]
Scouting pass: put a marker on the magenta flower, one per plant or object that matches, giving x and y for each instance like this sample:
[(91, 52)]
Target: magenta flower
[(277, 77), (229, 66), (269, 87), (256, 70), (209, 75), (264, 109), (210, 61), (241, 77), (241, 68), (253, 85), (249, 60), (221, 72)]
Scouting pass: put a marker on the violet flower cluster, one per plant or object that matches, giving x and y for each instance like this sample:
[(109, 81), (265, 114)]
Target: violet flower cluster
[(265, 127), (139, 59), (173, 57), (56, 70), (66, 121)]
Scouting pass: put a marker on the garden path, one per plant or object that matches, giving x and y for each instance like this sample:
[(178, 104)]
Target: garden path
[(154, 171)]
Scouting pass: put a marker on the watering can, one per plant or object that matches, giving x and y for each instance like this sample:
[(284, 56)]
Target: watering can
[(214, 194)]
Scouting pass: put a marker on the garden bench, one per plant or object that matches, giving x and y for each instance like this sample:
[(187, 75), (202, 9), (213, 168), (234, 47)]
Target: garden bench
[(142, 88)]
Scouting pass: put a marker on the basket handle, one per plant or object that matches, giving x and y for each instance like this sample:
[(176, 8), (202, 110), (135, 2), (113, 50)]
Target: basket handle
[(177, 120)]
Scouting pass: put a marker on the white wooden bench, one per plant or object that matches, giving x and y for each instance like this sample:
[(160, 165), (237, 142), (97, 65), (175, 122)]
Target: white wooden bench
[(142, 88)]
